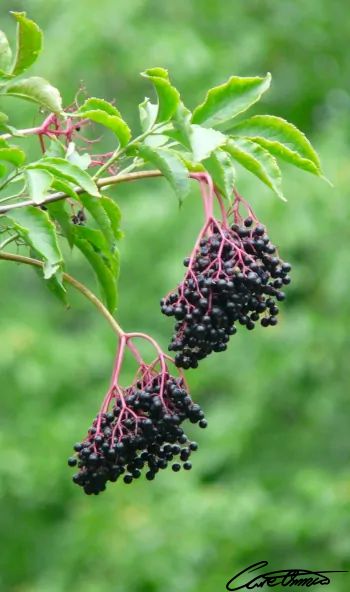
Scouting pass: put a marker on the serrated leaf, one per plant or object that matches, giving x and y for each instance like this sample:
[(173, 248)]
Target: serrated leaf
[(222, 171), (9, 128), (57, 288), (191, 166), (55, 148), (282, 139), (114, 214), (228, 100), (81, 160), (54, 284), (37, 230), (58, 212), (93, 236), (106, 278), (29, 43), (37, 90), (156, 140), (97, 239), (5, 53), (181, 126), (148, 114), (96, 104), (38, 184), (173, 169), (258, 161), (168, 95), (65, 187), (11, 154), (113, 122), (67, 171), (204, 141), (97, 209)]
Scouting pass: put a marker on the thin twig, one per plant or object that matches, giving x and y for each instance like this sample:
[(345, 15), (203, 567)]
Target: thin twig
[(104, 182)]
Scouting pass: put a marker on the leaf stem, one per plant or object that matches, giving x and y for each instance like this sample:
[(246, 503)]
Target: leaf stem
[(73, 282)]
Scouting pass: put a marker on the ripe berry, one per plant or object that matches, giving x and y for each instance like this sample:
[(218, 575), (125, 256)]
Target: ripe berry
[(236, 283), (148, 444)]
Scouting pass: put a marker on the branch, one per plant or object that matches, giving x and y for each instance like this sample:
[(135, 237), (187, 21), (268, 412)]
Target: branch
[(73, 282), (104, 182)]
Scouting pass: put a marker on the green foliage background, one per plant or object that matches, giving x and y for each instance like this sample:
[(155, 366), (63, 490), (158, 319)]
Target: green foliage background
[(272, 477)]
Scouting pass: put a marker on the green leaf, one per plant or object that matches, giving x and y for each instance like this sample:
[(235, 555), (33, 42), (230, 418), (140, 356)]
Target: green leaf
[(58, 212), (11, 154), (81, 160), (148, 114), (228, 100), (4, 127), (97, 210), (29, 43), (38, 184), (96, 104), (54, 284), (282, 139), (65, 187), (5, 53), (222, 171), (102, 112), (93, 236), (168, 95), (106, 278), (37, 230), (181, 126), (37, 90), (55, 148), (98, 240), (258, 161), (57, 288), (156, 140), (172, 167), (67, 171), (204, 141), (112, 122), (114, 214)]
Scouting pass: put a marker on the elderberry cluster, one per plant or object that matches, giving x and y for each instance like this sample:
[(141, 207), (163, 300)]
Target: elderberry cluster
[(142, 432), (234, 277)]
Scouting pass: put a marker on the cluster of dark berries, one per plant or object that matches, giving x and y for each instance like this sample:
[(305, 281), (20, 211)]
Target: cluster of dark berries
[(142, 432), (234, 276), (79, 218)]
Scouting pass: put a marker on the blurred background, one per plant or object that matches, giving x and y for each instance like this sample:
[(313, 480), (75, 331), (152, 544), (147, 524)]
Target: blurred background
[(271, 480)]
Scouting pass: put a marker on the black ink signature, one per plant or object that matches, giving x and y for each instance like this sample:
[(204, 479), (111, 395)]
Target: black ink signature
[(282, 577)]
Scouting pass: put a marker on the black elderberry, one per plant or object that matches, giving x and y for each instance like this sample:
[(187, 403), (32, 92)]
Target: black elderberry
[(144, 435), (237, 283)]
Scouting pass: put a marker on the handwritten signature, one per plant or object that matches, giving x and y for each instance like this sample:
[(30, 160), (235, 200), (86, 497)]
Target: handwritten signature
[(282, 577)]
